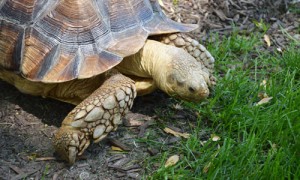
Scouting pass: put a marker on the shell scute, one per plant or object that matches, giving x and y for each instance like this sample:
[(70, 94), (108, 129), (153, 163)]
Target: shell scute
[(11, 40), (71, 39)]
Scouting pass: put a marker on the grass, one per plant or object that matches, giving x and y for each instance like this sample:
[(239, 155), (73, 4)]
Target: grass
[(257, 142)]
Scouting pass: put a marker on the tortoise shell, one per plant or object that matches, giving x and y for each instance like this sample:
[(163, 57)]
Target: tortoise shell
[(60, 40)]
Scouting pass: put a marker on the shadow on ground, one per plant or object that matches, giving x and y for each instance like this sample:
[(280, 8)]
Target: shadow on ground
[(27, 125)]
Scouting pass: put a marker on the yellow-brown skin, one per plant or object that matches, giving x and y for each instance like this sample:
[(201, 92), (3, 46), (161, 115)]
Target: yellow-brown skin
[(61, 47), (168, 68), (149, 68), (78, 129)]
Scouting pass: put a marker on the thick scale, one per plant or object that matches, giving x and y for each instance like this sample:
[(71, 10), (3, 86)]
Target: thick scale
[(61, 40)]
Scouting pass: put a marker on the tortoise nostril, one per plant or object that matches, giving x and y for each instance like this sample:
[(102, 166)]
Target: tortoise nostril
[(192, 90)]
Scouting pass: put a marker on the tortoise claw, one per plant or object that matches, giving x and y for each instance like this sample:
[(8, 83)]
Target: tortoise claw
[(72, 155), (70, 143)]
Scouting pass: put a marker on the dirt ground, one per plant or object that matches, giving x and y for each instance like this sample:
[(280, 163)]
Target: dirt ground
[(28, 123)]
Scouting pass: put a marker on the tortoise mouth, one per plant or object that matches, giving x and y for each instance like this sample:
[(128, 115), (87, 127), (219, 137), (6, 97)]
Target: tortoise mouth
[(201, 97), (190, 93), (192, 98)]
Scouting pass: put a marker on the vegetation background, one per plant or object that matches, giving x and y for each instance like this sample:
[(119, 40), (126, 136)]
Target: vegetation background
[(249, 128)]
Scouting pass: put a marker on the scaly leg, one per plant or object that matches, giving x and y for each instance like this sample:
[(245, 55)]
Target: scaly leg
[(95, 117)]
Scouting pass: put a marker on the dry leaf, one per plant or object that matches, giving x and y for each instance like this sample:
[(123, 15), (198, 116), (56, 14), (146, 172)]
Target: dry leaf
[(203, 142), (206, 167), (220, 14), (215, 137), (262, 95), (115, 148), (135, 119), (279, 49), (264, 101), (267, 40), (177, 134), (119, 144), (177, 107), (172, 160)]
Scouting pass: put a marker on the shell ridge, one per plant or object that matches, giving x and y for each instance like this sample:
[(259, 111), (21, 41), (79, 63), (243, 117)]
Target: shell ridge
[(144, 10), (66, 66), (10, 45), (98, 63), (24, 13), (121, 20), (64, 27), (19, 50), (71, 39), (36, 47), (2, 3), (48, 61), (46, 10)]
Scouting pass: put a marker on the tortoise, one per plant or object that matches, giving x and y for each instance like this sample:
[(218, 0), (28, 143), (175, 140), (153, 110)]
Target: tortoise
[(98, 55)]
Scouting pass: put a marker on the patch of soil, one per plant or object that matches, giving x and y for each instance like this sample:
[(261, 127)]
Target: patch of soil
[(27, 123), (225, 16)]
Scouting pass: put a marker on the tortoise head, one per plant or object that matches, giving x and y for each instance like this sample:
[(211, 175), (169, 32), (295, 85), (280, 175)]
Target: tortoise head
[(184, 77)]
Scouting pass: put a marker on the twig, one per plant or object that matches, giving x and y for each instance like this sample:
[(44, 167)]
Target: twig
[(16, 169), (144, 127), (119, 144), (6, 123), (45, 159), (24, 175)]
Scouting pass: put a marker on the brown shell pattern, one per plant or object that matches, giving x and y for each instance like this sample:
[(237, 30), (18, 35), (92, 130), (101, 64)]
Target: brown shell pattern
[(61, 40)]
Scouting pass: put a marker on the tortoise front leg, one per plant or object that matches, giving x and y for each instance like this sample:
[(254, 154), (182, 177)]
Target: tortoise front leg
[(95, 117), (192, 46)]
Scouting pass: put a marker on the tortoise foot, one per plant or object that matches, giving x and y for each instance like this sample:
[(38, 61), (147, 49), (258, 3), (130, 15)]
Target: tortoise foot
[(95, 117), (70, 143)]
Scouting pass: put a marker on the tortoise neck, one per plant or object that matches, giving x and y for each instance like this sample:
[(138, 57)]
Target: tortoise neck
[(154, 59), (149, 62)]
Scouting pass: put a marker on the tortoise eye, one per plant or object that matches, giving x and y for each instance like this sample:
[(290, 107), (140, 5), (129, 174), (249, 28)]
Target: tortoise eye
[(192, 90), (171, 78)]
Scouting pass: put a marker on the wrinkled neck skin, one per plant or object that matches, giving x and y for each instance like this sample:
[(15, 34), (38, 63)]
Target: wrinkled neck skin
[(173, 70), (155, 61), (149, 62)]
